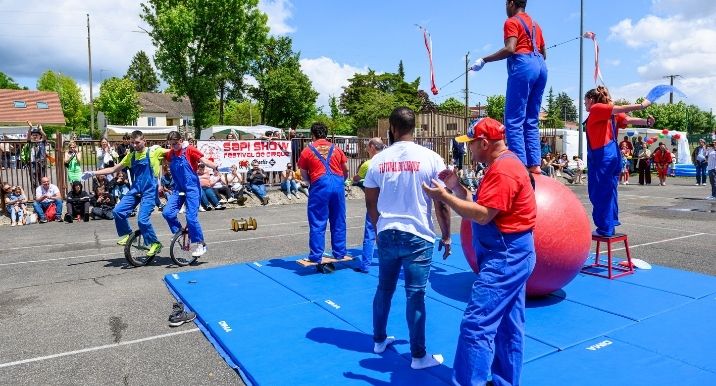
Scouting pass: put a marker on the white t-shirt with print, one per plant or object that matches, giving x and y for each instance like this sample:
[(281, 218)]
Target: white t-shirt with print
[(399, 172)]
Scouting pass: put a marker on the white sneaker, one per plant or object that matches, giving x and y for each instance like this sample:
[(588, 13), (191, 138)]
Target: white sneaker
[(201, 209), (12, 224), (697, 184), (200, 250), (289, 197), (222, 201), (559, 174), (231, 200), (710, 198)]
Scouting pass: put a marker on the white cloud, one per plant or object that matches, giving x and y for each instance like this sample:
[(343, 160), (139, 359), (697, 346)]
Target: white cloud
[(278, 11), (679, 42), (328, 77)]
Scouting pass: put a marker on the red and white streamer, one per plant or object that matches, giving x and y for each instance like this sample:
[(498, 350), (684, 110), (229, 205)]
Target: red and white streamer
[(429, 46), (597, 71)]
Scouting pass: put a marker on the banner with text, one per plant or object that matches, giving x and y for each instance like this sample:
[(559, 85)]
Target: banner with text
[(271, 155)]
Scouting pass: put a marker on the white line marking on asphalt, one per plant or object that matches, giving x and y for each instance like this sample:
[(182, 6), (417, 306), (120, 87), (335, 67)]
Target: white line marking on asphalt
[(96, 348), (665, 228), (158, 235), (660, 241)]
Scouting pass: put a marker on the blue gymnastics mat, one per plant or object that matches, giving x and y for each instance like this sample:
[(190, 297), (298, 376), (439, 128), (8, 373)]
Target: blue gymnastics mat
[(276, 322)]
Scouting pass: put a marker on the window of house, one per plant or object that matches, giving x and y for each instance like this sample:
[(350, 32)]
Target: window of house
[(42, 105), (19, 104), (151, 121), (451, 127)]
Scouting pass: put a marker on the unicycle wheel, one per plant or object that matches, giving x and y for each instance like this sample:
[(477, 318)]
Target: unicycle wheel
[(135, 251), (180, 249)]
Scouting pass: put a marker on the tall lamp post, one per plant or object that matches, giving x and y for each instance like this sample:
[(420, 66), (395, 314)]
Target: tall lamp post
[(581, 76)]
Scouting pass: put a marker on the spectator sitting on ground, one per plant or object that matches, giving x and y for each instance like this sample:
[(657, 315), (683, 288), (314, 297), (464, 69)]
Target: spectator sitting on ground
[(256, 178), (300, 183), (560, 164), (470, 177), (16, 206), (4, 193), (234, 181), (548, 166), (576, 170), (45, 195), (209, 199), (288, 182), (102, 204), (119, 188), (78, 203), (221, 189)]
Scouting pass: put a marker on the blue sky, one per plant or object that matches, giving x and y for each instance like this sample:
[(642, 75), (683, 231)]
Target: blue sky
[(640, 41)]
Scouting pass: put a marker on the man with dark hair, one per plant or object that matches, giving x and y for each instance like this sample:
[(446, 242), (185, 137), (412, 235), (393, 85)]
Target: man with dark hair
[(401, 213), (526, 79), (324, 164), (145, 166)]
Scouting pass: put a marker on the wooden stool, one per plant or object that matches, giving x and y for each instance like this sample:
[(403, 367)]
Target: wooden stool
[(628, 270)]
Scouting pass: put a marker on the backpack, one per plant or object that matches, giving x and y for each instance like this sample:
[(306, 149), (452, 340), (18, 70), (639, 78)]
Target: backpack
[(51, 212)]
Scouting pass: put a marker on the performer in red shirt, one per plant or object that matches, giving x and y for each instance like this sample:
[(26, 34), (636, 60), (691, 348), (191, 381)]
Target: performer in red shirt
[(662, 160), (503, 216), (324, 164), (526, 79), (604, 162)]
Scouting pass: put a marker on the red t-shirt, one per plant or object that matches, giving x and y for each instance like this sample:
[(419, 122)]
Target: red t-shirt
[(599, 125), (507, 188), (513, 28), (192, 154), (309, 161)]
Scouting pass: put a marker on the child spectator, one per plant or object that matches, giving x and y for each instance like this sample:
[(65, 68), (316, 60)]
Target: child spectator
[(102, 204), (626, 162), (119, 188), (16, 206), (78, 204)]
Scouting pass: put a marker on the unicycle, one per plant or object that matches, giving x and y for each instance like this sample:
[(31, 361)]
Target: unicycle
[(180, 248), (135, 251)]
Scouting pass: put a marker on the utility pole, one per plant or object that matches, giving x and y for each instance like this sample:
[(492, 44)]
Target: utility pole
[(581, 75), (89, 57), (467, 106), (671, 94)]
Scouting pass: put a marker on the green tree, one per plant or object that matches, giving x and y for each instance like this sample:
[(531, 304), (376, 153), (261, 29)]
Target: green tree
[(140, 71), (678, 116), (553, 111), (284, 92), (426, 105), (291, 99), (199, 41), (8, 83), (364, 89), (496, 107), (118, 101), (69, 93), (452, 106), (340, 123), (566, 107), (244, 113)]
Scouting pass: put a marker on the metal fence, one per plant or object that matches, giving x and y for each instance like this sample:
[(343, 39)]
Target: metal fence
[(15, 172)]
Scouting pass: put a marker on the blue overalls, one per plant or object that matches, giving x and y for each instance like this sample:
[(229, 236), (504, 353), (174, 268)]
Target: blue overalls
[(526, 80), (185, 181), (603, 169), (492, 328), (143, 192), (326, 202)]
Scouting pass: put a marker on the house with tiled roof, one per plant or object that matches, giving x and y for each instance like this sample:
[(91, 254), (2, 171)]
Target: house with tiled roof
[(19, 106), (159, 110)]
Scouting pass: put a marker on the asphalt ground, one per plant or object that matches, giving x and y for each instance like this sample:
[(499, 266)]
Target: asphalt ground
[(72, 312)]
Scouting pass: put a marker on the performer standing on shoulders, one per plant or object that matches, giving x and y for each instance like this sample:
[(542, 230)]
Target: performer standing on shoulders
[(526, 79), (604, 163)]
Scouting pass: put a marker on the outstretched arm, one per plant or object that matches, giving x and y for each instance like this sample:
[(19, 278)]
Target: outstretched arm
[(504, 52)]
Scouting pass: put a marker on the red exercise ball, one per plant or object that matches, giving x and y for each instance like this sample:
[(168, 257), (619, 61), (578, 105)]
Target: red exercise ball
[(562, 237)]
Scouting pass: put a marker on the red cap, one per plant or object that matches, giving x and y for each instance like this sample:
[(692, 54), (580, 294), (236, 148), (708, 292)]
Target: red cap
[(485, 128)]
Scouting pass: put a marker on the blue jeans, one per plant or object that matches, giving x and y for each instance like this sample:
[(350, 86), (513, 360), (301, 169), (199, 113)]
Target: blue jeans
[(712, 180), (701, 172), (258, 190), (41, 207), (208, 197), (398, 249), (289, 187)]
